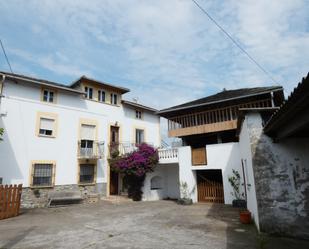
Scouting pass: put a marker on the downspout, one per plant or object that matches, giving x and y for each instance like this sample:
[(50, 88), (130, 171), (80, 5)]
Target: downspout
[(1, 85)]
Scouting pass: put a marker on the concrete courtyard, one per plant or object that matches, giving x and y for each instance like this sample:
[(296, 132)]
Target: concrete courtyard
[(160, 224)]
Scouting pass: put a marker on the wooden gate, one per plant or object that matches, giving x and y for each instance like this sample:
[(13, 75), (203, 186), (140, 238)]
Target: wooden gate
[(9, 200), (210, 191)]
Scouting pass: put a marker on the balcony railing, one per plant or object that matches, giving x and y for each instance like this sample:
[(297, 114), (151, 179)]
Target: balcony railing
[(95, 151), (168, 153), (221, 115), (119, 149)]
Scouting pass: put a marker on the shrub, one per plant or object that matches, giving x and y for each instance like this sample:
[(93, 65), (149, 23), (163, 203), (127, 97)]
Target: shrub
[(134, 166)]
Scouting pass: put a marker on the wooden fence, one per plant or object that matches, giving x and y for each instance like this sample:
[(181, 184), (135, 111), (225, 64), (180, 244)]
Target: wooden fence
[(210, 191), (9, 200)]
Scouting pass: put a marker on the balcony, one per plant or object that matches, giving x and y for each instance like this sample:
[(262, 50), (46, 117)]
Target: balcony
[(169, 155), (90, 149), (120, 149), (210, 121)]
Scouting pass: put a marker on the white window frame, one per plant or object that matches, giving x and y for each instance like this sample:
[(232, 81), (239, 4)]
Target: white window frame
[(101, 93), (89, 90), (138, 137), (48, 116), (114, 99), (50, 96), (138, 114)]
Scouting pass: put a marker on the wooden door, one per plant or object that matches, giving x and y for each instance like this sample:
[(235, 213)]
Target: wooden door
[(113, 183), (210, 191)]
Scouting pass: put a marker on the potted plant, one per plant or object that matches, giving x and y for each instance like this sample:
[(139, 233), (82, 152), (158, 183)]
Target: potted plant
[(185, 196), (239, 196), (245, 216)]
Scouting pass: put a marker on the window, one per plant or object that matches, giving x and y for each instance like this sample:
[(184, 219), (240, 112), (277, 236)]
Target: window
[(47, 127), (88, 132), (48, 96), (87, 137), (156, 183), (88, 91), (138, 114), (101, 96), (86, 173), (43, 174), (46, 124), (114, 99), (139, 136)]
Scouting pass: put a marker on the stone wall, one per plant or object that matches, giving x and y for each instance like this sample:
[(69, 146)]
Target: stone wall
[(38, 197), (281, 172)]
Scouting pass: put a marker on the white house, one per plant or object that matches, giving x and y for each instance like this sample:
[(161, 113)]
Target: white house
[(59, 137)]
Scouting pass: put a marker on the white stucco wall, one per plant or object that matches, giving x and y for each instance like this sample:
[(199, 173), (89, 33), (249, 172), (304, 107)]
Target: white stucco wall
[(21, 145), (186, 174), (246, 156), (170, 183), (224, 157)]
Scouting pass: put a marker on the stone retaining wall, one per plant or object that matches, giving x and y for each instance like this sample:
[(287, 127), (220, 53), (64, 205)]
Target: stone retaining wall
[(38, 197)]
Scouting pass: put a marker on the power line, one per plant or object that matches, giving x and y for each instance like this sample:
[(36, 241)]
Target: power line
[(235, 42), (7, 59)]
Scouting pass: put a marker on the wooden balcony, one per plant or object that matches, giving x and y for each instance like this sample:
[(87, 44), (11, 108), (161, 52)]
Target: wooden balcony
[(220, 119)]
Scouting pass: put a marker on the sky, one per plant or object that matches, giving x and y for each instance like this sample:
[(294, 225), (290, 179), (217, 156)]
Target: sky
[(166, 52)]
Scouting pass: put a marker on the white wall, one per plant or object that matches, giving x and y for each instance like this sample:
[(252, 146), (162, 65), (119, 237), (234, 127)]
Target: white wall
[(224, 157), (170, 183), (246, 156), (21, 145), (186, 174)]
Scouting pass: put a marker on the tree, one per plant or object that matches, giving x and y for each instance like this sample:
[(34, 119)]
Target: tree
[(1, 133)]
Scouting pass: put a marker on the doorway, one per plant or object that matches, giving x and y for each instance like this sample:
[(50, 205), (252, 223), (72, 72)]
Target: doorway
[(114, 152), (210, 186)]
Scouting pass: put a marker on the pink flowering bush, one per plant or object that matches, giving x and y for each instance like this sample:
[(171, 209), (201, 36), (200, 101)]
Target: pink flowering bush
[(138, 162), (134, 166)]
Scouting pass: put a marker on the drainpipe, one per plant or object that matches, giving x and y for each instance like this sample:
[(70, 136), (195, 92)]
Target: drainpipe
[(1, 85)]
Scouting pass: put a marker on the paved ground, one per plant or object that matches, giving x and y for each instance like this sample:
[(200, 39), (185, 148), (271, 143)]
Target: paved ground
[(161, 224)]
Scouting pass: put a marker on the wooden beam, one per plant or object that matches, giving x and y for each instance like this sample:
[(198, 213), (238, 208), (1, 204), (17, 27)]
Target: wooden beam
[(201, 129)]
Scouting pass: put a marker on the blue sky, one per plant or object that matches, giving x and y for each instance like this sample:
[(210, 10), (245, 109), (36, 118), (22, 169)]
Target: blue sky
[(166, 52)]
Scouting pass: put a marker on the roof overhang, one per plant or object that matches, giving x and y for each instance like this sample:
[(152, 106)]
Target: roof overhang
[(139, 106), (83, 78), (38, 82), (292, 119), (164, 112)]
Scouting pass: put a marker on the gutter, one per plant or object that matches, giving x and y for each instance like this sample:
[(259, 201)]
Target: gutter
[(44, 84)]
